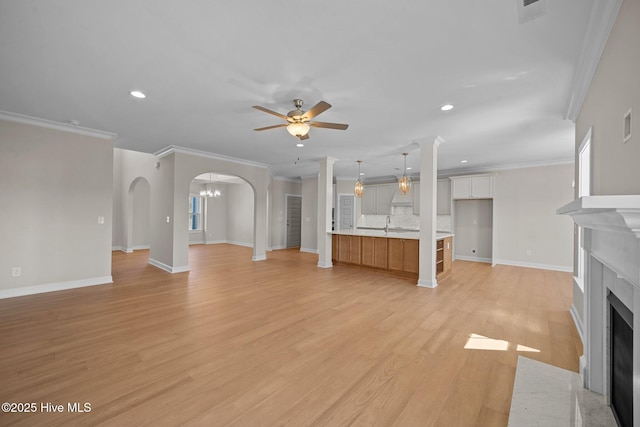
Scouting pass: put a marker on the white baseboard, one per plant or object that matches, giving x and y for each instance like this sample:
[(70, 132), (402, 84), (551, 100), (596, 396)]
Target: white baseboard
[(168, 268), (122, 249), (258, 258), (246, 244), (325, 264), (577, 322), (196, 242), (277, 248), (535, 265), (53, 287), (472, 258), (141, 247), (308, 250), (427, 283), (214, 242)]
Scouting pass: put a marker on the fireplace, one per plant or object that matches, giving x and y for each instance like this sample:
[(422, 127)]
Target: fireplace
[(606, 306), (621, 361)]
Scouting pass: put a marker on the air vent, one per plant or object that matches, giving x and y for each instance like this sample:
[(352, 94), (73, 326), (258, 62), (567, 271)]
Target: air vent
[(528, 10)]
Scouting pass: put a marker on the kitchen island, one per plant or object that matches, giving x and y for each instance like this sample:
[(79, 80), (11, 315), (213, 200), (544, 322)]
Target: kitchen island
[(395, 251)]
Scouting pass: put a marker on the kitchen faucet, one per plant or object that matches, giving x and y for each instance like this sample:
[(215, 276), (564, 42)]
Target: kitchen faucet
[(386, 224)]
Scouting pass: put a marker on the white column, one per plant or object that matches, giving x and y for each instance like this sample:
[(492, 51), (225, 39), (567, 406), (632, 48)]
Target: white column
[(428, 195), (325, 197)]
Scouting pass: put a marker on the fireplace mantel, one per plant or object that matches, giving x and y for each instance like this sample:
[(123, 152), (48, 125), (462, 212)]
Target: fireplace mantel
[(609, 213), (610, 238)]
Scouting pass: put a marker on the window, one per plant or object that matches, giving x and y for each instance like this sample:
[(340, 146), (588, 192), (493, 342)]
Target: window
[(195, 213), (584, 189)]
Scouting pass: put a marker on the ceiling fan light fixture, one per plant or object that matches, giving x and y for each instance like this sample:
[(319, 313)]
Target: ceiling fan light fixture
[(298, 129)]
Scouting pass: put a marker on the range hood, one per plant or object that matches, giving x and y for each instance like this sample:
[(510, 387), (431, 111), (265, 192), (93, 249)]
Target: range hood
[(400, 199)]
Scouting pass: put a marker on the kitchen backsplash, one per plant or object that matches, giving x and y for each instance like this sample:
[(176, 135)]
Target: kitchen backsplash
[(403, 220)]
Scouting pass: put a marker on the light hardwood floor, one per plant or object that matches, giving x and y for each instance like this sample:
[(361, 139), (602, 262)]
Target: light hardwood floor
[(282, 342)]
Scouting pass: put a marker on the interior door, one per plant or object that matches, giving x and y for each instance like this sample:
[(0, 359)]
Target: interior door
[(347, 212), (294, 221)]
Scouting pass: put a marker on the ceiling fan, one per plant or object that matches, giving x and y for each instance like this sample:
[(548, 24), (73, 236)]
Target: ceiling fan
[(298, 121)]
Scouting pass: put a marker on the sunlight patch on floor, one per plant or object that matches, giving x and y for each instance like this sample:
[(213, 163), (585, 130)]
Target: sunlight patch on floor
[(480, 342)]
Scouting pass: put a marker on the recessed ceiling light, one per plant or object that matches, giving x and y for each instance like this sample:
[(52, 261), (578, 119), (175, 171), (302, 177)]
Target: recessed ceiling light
[(137, 94), (464, 161), (408, 168), (361, 173), (446, 107), (299, 144)]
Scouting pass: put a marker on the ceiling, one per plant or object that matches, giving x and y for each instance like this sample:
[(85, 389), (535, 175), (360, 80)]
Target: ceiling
[(386, 67)]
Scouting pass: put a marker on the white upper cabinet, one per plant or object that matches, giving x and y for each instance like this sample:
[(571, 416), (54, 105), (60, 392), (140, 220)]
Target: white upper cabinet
[(472, 187), (384, 194), (443, 206), (376, 199)]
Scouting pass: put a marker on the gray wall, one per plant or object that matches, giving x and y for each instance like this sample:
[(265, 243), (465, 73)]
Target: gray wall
[(54, 186)]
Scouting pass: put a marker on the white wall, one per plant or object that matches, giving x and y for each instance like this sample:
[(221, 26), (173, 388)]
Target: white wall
[(309, 232), (54, 184), (141, 199), (240, 214), (615, 89), (130, 168), (473, 229), (216, 216), (525, 204), (279, 190)]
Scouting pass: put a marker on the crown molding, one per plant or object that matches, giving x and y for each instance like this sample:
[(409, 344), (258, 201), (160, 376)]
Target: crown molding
[(506, 166), (183, 150), (601, 21), (287, 179), (50, 124)]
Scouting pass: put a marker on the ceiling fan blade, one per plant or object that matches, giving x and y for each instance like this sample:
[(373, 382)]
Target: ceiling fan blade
[(339, 126), (272, 127), (320, 107), (304, 137), (266, 110)]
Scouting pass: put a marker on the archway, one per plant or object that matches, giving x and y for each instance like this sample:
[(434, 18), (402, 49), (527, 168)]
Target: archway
[(138, 234), (221, 210)]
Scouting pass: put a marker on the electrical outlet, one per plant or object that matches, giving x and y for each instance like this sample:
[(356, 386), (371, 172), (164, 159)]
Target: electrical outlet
[(168, 219), (528, 252), (100, 220), (16, 271)]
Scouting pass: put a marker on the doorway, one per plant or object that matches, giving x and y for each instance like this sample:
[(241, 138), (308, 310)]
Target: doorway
[(346, 211), (294, 221)]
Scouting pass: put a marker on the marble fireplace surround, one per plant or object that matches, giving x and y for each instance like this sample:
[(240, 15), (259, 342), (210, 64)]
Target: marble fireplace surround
[(611, 240)]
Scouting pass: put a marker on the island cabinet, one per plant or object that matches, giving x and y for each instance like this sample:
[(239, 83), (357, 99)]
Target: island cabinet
[(404, 255), (443, 257), (347, 249), (374, 251)]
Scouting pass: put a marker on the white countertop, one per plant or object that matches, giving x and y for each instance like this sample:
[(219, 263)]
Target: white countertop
[(397, 234)]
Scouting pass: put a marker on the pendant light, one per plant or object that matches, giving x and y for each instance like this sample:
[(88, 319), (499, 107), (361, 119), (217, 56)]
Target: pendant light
[(405, 182), (358, 189)]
